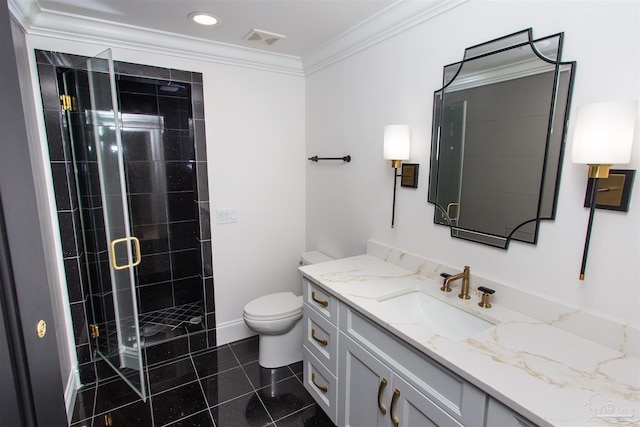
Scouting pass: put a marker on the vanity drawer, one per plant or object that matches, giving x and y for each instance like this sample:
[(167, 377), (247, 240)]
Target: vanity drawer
[(321, 301), (321, 338), (463, 401), (321, 384)]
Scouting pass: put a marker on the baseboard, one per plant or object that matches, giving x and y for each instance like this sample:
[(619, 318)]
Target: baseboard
[(233, 330), (71, 391)]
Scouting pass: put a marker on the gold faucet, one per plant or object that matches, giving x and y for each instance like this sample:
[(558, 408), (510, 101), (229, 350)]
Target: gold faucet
[(464, 291)]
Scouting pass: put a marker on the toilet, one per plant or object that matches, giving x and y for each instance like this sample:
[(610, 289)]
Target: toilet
[(276, 318)]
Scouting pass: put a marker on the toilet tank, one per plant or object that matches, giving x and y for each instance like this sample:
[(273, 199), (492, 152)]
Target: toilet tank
[(314, 257)]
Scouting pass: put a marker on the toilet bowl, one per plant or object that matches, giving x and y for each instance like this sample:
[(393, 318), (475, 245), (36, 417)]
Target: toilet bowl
[(276, 318)]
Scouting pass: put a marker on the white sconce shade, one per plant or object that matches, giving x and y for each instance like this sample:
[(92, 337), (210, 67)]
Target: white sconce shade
[(397, 142), (604, 133)]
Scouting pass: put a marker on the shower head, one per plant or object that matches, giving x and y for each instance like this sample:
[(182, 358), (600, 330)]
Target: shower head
[(171, 87)]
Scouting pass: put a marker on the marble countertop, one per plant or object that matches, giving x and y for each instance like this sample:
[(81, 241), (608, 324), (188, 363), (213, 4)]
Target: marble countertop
[(546, 374)]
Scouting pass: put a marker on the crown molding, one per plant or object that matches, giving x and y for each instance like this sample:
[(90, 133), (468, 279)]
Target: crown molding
[(395, 19), (46, 23)]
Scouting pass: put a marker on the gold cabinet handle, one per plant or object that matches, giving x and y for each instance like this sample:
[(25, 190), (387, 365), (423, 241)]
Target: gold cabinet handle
[(322, 303), (313, 335), (394, 399), (383, 384), (323, 389), (136, 245)]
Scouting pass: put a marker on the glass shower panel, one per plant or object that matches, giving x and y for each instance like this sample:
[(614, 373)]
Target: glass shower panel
[(111, 250)]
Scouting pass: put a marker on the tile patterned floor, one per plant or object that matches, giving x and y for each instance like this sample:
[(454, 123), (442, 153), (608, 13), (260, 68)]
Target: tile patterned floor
[(223, 387)]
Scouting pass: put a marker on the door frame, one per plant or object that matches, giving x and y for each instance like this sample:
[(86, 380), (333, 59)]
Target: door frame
[(24, 288)]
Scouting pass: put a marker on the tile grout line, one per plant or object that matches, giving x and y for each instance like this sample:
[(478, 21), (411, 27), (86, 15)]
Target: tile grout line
[(149, 395), (295, 412), (257, 394), (204, 395), (95, 402), (174, 422)]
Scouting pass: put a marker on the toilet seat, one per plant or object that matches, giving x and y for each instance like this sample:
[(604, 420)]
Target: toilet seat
[(273, 318), (276, 306)]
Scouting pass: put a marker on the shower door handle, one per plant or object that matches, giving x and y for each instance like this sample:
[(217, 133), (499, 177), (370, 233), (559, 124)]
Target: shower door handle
[(136, 245), (449, 206)]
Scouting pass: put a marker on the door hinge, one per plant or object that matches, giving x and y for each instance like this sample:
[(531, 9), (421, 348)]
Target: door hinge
[(68, 103), (95, 332)]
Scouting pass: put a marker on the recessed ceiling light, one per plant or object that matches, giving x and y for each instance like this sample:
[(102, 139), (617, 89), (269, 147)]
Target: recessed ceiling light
[(203, 18)]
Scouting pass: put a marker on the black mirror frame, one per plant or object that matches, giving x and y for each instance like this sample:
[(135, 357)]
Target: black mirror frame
[(502, 44)]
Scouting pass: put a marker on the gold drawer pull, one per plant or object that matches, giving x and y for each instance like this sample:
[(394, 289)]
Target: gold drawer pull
[(322, 303), (383, 384), (313, 335), (394, 399), (323, 389)]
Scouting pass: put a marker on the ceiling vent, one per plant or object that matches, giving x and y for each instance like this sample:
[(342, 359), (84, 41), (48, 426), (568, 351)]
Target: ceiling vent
[(263, 37)]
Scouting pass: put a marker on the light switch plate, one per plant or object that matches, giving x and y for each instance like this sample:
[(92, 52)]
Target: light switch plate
[(226, 216)]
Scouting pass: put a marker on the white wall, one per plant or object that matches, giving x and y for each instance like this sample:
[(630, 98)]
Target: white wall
[(350, 102), (255, 142), (255, 138)]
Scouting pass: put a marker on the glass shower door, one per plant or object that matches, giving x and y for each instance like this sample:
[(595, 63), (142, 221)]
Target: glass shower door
[(111, 251)]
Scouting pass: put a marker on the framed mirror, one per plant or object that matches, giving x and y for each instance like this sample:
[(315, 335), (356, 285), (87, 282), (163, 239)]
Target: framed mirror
[(499, 125)]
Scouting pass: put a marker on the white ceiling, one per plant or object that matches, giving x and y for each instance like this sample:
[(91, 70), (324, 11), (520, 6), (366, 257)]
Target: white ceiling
[(307, 24)]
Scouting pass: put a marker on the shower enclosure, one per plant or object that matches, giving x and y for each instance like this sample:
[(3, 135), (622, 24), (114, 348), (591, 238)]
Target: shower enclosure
[(138, 209)]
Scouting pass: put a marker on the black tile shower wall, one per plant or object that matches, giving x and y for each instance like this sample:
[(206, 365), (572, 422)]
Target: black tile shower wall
[(161, 185), (173, 224)]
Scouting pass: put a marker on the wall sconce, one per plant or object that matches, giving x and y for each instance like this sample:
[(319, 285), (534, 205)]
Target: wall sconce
[(603, 136), (397, 147)]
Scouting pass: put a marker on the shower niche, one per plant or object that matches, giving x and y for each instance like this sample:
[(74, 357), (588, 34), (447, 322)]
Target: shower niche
[(127, 150)]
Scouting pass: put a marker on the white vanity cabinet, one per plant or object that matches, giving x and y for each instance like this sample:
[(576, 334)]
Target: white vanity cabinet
[(372, 394), (320, 346), (427, 393), (361, 375), (499, 415)]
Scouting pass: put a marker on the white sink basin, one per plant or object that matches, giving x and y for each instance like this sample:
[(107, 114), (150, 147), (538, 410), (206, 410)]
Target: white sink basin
[(441, 318)]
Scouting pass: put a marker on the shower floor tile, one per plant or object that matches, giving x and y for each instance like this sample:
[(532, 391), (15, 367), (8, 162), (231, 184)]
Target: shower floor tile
[(218, 387)]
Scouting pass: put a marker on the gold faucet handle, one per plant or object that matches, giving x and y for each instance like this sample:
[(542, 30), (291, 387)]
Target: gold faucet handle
[(486, 294), (445, 287)]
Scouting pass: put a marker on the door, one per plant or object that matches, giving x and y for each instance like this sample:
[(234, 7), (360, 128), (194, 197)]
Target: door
[(364, 387), (410, 408), (32, 389), (32, 394), (111, 251)]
